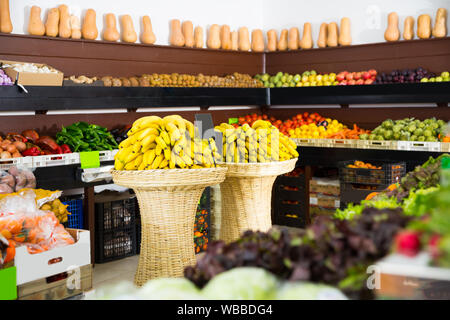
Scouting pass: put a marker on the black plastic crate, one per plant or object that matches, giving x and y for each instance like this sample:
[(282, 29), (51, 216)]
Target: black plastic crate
[(114, 245), (354, 193), (291, 215), (388, 174), (116, 215)]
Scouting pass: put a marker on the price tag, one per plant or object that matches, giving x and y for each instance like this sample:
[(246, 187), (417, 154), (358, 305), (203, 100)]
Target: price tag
[(8, 289), (90, 159), (233, 120)]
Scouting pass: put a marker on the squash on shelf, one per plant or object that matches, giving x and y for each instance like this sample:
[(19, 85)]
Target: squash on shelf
[(225, 37), (51, 25), (408, 29), (65, 31), (213, 41), (234, 41), (257, 40), (440, 25), (188, 33), (293, 38), (110, 33), (5, 17), (424, 26), (89, 29), (332, 37), (392, 32), (244, 39), (307, 41), (283, 41), (147, 36), (345, 35), (272, 40), (198, 37), (129, 35), (76, 27), (35, 25), (322, 40), (176, 36)]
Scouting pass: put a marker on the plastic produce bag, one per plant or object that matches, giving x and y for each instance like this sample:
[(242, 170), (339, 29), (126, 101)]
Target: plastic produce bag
[(16, 179)]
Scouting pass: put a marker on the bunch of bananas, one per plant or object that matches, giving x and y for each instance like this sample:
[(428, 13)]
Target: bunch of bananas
[(165, 143), (58, 208), (262, 142)]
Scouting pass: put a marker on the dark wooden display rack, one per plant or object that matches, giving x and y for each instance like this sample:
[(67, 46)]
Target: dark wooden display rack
[(99, 58)]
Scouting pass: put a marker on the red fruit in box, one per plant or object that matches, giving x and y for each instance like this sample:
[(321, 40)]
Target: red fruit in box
[(360, 81), (407, 243), (342, 83), (366, 75), (373, 72), (368, 81), (351, 82), (349, 76), (340, 77), (433, 246), (357, 76)]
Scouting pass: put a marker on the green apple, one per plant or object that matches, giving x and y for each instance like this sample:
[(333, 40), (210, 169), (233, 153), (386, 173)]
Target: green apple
[(292, 84), (272, 85), (306, 73), (445, 74), (424, 80), (432, 80), (447, 79), (265, 77), (279, 84), (290, 78), (305, 79), (285, 85), (284, 79), (313, 72), (439, 79), (266, 84), (297, 78), (279, 74)]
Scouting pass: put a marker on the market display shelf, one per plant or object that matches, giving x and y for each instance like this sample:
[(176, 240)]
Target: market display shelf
[(374, 144), (436, 92), (39, 98), (54, 160)]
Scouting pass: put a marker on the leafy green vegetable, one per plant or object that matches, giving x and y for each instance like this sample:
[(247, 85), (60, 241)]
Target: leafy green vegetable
[(352, 210)]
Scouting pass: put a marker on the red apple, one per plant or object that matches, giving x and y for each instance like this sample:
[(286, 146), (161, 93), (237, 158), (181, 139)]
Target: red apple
[(360, 81), (349, 76), (351, 82), (407, 243), (357, 76), (340, 77), (373, 72), (368, 81), (342, 83), (366, 75)]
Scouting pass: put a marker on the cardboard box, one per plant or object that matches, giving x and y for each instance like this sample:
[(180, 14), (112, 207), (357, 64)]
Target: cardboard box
[(321, 200), (325, 186), (32, 267), (34, 79)]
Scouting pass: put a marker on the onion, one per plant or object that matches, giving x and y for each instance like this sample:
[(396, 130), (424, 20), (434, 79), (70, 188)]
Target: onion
[(11, 148), (5, 143), (16, 155), (21, 146), (5, 155)]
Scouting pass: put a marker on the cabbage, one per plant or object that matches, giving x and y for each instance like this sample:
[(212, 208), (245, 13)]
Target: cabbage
[(308, 291), (125, 290), (245, 283), (170, 289)]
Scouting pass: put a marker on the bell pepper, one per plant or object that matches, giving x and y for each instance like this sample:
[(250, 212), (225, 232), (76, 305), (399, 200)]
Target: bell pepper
[(33, 151), (65, 148), (58, 150)]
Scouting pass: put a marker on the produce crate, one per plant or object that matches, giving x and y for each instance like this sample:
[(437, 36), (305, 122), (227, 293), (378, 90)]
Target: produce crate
[(115, 225), (343, 143), (325, 186), (324, 201), (57, 287), (75, 218), (354, 193), (105, 155), (388, 174), (290, 215), (419, 146), (445, 147), (376, 144), (54, 160), (5, 164)]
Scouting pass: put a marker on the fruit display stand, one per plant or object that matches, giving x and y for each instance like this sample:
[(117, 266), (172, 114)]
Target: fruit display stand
[(168, 202), (247, 195)]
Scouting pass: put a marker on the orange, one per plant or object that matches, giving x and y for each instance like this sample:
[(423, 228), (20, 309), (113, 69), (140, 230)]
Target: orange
[(6, 233), (10, 252), (14, 226)]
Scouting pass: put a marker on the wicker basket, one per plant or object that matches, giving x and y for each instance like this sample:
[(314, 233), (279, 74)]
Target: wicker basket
[(168, 201), (247, 196)]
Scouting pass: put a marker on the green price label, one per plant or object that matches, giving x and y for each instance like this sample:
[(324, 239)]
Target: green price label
[(232, 120), (90, 159), (8, 289)]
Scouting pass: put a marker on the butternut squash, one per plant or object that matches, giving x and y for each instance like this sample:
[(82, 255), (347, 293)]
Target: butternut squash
[(332, 37), (283, 42), (234, 41), (188, 33), (35, 25), (176, 36), (65, 30), (293, 39), (89, 29), (5, 18), (225, 37), (272, 40), (408, 29), (51, 25), (244, 40), (128, 33), (440, 25), (76, 27), (147, 36), (198, 37), (345, 35), (322, 40), (110, 33), (307, 41), (424, 26), (257, 40), (392, 32), (213, 41)]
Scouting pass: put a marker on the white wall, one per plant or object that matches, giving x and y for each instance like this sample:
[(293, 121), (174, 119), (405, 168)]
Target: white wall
[(235, 13), (368, 17)]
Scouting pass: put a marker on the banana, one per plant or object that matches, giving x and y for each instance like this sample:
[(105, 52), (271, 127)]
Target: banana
[(137, 147), (261, 124), (161, 143), (127, 142), (149, 157), (167, 154), (164, 164), (190, 128), (165, 136), (141, 135), (138, 160), (142, 166), (130, 166), (131, 156), (172, 163), (179, 161), (118, 165), (157, 161), (144, 122), (158, 150)]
